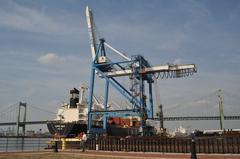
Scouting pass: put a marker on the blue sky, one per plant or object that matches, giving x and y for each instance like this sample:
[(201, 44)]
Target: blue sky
[(44, 45)]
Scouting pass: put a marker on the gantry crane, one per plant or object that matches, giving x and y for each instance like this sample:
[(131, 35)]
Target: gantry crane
[(140, 73)]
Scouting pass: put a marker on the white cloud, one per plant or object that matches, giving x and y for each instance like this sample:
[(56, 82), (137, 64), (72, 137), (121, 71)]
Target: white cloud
[(50, 58)]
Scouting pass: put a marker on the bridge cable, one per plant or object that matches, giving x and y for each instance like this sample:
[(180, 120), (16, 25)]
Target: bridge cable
[(173, 106), (43, 110)]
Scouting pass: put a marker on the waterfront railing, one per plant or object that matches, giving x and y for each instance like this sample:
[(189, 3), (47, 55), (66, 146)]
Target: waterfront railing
[(214, 144), (10, 144)]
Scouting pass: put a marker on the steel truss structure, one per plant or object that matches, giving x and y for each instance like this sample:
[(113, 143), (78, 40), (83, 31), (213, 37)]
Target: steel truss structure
[(141, 75)]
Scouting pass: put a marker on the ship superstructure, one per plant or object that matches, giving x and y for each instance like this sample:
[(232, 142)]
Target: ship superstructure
[(76, 110), (72, 117)]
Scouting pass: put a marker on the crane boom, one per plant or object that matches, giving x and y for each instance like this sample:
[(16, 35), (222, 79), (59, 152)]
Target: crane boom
[(92, 35), (154, 69)]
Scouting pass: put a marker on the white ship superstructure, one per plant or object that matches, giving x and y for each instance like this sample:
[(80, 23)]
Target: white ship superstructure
[(77, 110)]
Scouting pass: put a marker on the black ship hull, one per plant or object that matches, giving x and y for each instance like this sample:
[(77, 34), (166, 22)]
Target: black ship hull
[(74, 129), (66, 129)]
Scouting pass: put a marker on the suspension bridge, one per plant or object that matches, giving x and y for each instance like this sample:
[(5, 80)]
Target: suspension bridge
[(209, 106)]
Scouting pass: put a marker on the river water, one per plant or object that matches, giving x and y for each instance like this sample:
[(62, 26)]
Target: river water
[(23, 144)]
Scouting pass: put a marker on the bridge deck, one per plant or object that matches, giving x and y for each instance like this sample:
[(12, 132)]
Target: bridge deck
[(27, 122), (165, 119)]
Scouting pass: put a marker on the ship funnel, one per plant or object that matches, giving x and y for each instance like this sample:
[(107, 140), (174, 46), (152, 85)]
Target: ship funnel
[(74, 98)]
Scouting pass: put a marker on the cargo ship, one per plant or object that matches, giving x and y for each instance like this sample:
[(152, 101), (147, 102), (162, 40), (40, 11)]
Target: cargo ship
[(71, 118)]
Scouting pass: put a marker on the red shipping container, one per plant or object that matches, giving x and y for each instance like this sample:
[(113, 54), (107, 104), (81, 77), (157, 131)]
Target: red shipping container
[(116, 120), (125, 122)]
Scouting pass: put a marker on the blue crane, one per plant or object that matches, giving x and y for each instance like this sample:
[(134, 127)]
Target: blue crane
[(141, 75)]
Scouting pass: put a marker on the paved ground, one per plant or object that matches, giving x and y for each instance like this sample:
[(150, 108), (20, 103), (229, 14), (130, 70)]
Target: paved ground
[(141, 155), (107, 155)]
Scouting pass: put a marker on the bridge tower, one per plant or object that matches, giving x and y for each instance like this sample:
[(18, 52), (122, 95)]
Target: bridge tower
[(19, 122), (221, 111)]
